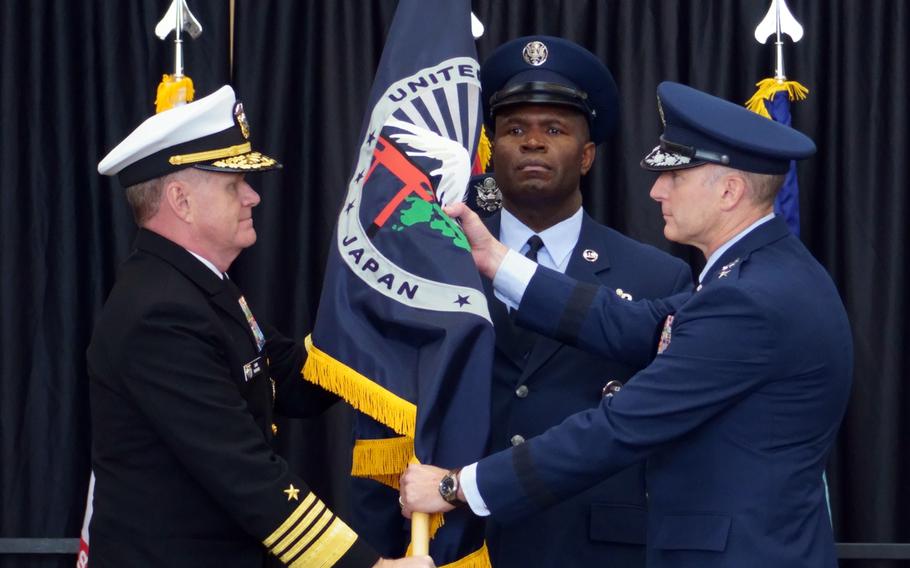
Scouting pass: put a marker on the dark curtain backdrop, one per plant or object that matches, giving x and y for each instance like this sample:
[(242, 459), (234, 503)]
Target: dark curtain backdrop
[(78, 76)]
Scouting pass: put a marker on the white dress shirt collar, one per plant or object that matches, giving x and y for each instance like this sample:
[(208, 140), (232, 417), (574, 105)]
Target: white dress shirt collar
[(558, 240)]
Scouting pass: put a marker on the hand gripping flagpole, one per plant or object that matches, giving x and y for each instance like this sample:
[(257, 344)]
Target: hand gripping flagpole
[(420, 531), (176, 89)]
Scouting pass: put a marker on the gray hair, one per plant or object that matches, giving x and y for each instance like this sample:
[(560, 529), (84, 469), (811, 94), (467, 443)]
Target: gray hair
[(762, 188), (145, 197)]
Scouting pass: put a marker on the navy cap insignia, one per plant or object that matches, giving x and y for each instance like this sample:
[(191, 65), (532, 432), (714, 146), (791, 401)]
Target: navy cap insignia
[(489, 197), (590, 255), (241, 120), (535, 53)]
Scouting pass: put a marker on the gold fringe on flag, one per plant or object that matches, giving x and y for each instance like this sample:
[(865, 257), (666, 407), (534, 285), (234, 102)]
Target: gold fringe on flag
[(382, 459), (173, 91), (360, 392), (480, 558), (767, 88), (385, 459)]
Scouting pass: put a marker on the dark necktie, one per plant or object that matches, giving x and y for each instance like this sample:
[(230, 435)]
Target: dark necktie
[(535, 243), (524, 339)]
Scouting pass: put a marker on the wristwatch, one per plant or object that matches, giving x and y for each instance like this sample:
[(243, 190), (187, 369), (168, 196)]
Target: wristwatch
[(448, 487)]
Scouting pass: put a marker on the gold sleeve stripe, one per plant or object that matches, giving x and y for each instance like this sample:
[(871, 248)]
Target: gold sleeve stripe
[(290, 521), (312, 533), (329, 548), (318, 511)]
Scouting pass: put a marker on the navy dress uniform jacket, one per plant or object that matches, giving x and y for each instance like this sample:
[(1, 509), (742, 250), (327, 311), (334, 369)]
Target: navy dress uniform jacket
[(182, 403), (538, 384), (736, 416)]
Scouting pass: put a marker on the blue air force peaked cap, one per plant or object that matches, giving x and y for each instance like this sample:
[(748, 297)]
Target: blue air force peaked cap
[(700, 128), (550, 70)]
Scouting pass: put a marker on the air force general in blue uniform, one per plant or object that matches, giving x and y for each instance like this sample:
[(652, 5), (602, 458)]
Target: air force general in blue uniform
[(537, 381), (739, 408)]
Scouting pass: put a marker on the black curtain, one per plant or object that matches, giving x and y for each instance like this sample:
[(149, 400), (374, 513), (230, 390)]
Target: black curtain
[(78, 76)]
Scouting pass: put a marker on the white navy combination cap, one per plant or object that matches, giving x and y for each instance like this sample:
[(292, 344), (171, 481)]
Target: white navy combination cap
[(211, 133)]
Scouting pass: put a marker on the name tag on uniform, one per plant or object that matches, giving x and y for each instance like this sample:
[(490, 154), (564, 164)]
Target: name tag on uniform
[(252, 369)]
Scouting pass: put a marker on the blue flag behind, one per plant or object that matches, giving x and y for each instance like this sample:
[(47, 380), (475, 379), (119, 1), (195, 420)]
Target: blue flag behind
[(403, 331), (772, 100)]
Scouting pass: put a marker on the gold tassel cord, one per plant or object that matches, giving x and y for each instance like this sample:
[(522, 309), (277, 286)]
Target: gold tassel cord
[(173, 91), (767, 88)]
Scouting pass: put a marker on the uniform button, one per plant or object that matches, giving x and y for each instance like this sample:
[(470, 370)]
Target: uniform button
[(522, 391), (517, 440), (611, 388)]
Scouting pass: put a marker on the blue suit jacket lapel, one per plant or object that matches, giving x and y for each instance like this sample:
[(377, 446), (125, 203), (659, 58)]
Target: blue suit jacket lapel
[(581, 270)]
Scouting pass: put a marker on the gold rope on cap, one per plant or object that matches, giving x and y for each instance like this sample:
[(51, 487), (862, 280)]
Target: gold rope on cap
[(207, 155)]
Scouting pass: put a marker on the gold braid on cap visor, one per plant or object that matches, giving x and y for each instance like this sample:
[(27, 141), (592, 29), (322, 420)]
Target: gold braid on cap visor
[(251, 161), (207, 155)]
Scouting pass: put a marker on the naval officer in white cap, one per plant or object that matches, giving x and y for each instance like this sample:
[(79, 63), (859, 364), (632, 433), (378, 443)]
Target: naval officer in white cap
[(183, 378)]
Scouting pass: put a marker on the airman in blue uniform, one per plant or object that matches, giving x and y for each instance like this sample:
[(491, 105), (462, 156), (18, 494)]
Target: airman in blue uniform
[(548, 102), (748, 379)]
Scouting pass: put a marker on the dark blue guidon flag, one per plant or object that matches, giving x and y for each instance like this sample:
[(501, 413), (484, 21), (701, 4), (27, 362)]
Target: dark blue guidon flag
[(403, 332), (772, 100)]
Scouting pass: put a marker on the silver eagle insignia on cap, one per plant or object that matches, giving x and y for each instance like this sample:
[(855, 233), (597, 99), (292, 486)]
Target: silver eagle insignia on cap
[(535, 53)]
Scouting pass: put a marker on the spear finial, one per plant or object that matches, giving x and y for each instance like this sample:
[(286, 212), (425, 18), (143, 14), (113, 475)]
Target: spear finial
[(779, 20), (176, 89)]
